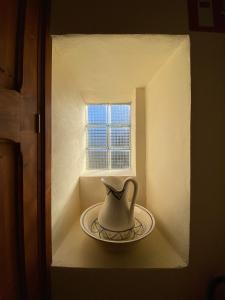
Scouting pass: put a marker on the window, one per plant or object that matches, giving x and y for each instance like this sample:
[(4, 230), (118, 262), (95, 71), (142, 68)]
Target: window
[(108, 132)]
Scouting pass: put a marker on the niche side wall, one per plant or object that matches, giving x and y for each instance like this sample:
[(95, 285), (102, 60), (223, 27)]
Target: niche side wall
[(168, 148), (68, 111)]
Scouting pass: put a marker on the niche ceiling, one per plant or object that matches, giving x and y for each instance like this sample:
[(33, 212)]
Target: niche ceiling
[(112, 66)]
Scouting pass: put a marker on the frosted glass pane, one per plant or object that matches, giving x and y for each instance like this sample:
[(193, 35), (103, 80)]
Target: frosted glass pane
[(120, 159), (97, 159), (120, 114), (97, 137), (97, 114), (120, 137), (108, 134)]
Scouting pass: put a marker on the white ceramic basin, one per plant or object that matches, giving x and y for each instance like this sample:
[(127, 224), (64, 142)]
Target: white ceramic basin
[(144, 224)]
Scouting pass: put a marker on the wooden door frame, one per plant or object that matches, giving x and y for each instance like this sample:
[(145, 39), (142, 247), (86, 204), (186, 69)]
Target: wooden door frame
[(25, 138), (45, 146)]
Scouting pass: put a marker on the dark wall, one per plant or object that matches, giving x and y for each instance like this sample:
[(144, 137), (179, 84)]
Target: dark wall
[(118, 16)]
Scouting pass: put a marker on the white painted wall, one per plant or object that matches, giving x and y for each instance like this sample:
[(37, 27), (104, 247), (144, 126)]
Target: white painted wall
[(168, 101), (79, 77), (111, 67), (68, 111), (141, 145)]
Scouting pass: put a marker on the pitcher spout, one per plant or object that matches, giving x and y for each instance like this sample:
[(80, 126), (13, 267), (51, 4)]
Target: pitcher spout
[(113, 183)]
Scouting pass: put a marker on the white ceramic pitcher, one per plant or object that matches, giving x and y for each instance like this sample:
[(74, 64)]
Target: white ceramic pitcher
[(117, 214)]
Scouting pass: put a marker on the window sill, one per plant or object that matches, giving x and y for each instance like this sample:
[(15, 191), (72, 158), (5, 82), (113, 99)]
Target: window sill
[(80, 251), (100, 173)]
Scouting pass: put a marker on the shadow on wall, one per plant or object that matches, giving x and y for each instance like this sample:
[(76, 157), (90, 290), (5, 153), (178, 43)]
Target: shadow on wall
[(65, 219)]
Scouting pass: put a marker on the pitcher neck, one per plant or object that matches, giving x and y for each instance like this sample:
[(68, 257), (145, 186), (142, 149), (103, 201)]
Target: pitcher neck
[(117, 195)]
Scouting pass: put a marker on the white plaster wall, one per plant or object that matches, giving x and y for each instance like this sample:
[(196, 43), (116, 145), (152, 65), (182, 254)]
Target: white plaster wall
[(68, 113), (110, 67), (168, 148), (79, 77), (141, 145)]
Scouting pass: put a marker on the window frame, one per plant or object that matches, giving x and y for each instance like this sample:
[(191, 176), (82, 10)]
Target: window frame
[(108, 125)]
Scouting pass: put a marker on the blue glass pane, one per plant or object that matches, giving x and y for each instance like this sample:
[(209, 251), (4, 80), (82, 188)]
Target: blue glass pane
[(97, 159), (97, 114), (120, 159), (97, 137), (120, 114), (120, 137)]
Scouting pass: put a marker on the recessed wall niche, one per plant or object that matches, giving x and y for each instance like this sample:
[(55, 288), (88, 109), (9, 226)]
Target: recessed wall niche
[(153, 73)]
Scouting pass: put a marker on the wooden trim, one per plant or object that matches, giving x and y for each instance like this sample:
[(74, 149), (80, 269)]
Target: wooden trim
[(19, 45), (10, 115), (18, 179), (20, 217), (45, 147), (218, 18), (18, 109), (48, 133)]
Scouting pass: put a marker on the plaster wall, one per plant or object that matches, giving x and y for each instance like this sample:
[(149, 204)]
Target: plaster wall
[(141, 145), (120, 17), (68, 110), (207, 247), (108, 68), (79, 63), (168, 99), (111, 69)]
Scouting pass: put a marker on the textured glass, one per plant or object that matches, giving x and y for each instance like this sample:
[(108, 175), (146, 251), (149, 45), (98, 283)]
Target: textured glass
[(97, 159), (120, 159), (120, 137), (108, 136), (97, 114), (120, 114), (97, 137)]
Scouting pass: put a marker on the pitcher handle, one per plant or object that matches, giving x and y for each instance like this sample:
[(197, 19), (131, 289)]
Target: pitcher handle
[(134, 194)]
